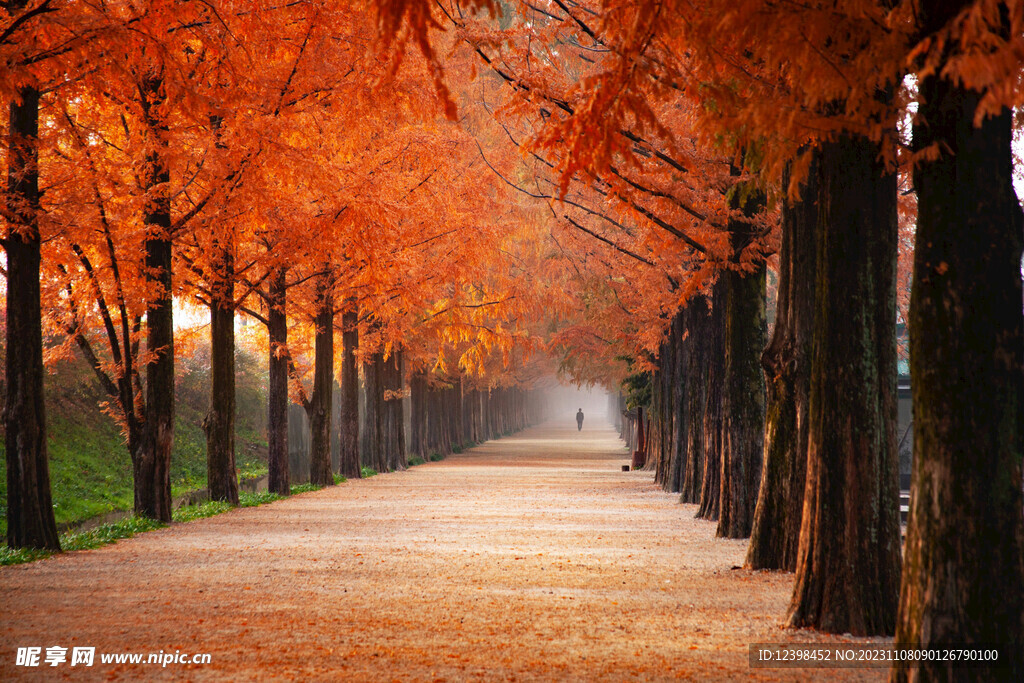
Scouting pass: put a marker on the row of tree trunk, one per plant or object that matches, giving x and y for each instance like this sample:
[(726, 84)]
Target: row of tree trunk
[(450, 416), (383, 443), (809, 468), (823, 466)]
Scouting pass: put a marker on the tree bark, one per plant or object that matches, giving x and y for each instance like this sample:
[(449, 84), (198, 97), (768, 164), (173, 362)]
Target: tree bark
[(963, 574), (151, 463), (319, 408), (694, 370), (848, 561), (372, 454), (654, 452), (219, 424), (776, 532), (743, 386), (418, 418), (393, 423), (349, 423), (668, 409), (30, 521), (710, 493), (677, 395), (279, 480)]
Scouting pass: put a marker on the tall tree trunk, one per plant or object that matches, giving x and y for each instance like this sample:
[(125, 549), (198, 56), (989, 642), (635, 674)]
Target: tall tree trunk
[(446, 442), (963, 574), (669, 409), (465, 413), (695, 371), (319, 408), (393, 423), (30, 522), (710, 492), (219, 425), (642, 437), (677, 395), (848, 561), (743, 388), (277, 393), (776, 533), (373, 418), (349, 423), (654, 451), (418, 417), (151, 463)]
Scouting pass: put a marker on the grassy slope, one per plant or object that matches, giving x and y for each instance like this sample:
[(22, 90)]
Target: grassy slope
[(90, 470)]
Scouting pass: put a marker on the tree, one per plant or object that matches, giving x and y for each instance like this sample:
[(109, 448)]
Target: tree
[(152, 459), (383, 428), (219, 424), (349, 409), (963, 575), (277, 389), (318, 405), (30, 521), (775, 537), (847, 572), (743, 395)]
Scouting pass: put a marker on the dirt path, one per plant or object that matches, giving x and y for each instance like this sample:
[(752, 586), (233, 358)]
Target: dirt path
[(528, 558)]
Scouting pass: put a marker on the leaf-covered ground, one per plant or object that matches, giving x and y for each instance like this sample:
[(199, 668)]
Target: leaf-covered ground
[(533, 557)]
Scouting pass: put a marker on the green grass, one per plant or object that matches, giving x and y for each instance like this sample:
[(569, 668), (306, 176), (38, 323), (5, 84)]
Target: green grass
[(108, 533), (436, 457), (187, 513), (415, 460), (188, 461), (20, 555), (129, 526), (367, 472), (90, 469), (83, 540), (251, 500)]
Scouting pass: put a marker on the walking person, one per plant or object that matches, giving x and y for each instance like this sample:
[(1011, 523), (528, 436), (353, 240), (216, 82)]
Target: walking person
[(579, 420)]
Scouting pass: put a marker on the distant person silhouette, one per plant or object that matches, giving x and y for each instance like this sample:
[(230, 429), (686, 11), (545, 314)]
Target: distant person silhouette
[(579, 420)]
